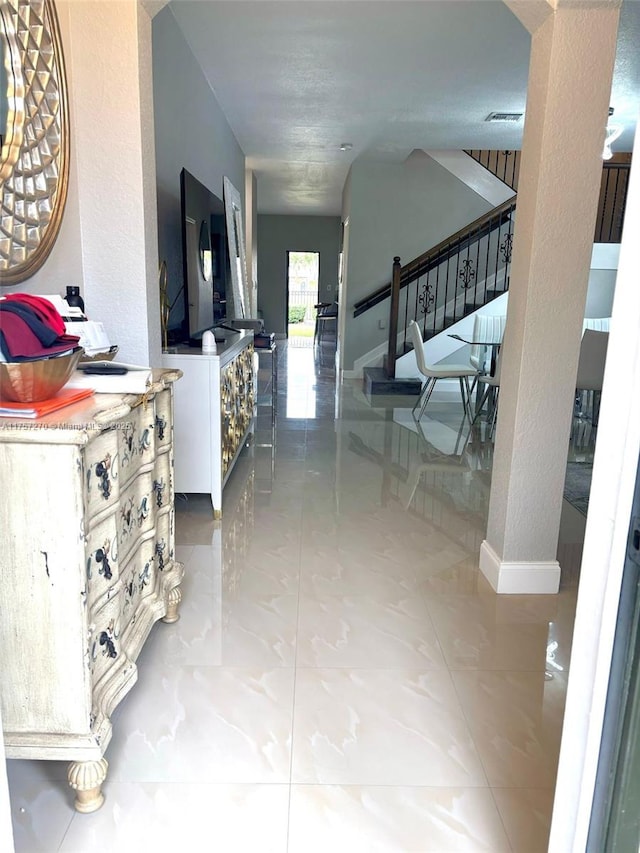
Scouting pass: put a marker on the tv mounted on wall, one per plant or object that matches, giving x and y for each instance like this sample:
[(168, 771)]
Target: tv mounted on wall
[(205, 259)]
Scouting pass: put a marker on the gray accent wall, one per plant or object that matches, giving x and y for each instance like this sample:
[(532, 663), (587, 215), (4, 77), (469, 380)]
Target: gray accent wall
[(191, 131), (278, 235), (395, 209)]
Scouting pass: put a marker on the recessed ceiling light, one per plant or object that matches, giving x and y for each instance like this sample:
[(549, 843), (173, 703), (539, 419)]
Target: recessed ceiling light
[(510, 117), (346, 146)]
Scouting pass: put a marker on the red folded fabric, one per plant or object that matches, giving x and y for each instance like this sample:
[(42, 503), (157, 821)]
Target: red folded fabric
[(45, 310), (20, 343)]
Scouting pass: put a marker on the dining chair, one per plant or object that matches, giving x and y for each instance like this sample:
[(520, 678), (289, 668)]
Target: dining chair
[(489, 395), (432, 373), (488, 328), (593, 354), (326, 316)]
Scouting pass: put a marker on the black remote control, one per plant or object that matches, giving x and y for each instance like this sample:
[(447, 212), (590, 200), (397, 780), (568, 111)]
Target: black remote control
[(103, 369)]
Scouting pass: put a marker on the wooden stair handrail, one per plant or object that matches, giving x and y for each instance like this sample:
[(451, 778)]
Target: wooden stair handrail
[(405, 276)]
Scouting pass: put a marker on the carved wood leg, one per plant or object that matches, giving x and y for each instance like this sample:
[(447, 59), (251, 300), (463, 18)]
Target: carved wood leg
[(86, 778), (174, 598)]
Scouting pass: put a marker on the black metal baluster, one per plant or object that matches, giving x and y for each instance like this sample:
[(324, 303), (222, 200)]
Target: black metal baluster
[(612, 182), (623, 203), (477, 279), (416, 300), (486, 261), (498, 243), (437, 301), (605, 196)]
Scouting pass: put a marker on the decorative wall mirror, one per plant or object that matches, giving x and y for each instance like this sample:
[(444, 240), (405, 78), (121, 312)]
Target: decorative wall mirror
[(235, 238), (34, 164)]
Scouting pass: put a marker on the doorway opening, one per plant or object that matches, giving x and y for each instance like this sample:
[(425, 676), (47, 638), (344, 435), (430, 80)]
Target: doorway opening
[(303, 269)]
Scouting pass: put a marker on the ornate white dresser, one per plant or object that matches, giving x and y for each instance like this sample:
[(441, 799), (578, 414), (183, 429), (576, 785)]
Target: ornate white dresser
[(86, 568), (215, 413)]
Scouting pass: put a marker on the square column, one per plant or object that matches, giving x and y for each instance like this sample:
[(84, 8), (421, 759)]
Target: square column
[(571, 68)]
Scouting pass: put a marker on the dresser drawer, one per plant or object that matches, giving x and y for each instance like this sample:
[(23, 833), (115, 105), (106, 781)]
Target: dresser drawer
[(164, 550), (162, 483), (163, 420), (136, 512), (101, 466), (104, 635), (138, 580), (136, 440), (102, 559)]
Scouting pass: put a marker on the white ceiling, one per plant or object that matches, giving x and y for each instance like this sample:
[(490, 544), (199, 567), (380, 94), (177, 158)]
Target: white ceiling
[(296, 78)]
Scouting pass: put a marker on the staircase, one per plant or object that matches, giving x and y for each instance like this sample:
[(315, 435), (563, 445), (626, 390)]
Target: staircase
[(468, 270)]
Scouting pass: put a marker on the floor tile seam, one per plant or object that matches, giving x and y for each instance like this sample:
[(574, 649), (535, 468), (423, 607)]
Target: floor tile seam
[(72, 818), (469, 722), (170, 668), (416, 670), (383, 785), (295, 675), (480, 786), (402, 593), (163, 783), (511, 670), (359, 668), (494, 669), (502, 821)]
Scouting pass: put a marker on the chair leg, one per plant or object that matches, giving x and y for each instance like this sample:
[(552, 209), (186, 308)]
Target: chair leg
[(494, 413), (423, 399), (480, 404), (464, 401), (432, 385), (418, 402), (468, 396)]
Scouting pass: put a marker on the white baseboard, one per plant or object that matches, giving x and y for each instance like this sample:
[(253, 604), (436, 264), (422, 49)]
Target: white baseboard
[(519, 578)]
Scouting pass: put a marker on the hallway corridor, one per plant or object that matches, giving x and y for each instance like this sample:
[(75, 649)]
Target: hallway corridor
[(342, 678)]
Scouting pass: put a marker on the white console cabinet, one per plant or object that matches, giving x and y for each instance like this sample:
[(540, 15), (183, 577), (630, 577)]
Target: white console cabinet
[(214, 413), (86, 568)]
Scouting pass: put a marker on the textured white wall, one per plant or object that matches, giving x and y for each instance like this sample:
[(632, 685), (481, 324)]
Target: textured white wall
[(110, 54), (107, 243)]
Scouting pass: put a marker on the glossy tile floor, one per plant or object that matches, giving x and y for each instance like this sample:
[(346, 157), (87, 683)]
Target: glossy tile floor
[(342, 677)]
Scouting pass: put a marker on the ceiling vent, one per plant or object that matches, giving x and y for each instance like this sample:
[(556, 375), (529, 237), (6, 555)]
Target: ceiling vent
[(511, 117)]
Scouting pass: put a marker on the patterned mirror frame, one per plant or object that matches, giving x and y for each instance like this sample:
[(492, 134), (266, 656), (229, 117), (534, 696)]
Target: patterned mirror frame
[(34, 167)]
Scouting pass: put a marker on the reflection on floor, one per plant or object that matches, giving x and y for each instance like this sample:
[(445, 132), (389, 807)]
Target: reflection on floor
[(342, 677)]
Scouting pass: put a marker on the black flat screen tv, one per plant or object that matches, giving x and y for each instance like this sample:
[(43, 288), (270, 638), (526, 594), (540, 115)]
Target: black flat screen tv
[(205, 260)]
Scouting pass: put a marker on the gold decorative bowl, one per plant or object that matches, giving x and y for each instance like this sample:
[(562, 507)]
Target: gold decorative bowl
[(109, 355), (32, 381)]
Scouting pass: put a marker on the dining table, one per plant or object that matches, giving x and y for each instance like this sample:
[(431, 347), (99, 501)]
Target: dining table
[(495, 350), (493, 345)]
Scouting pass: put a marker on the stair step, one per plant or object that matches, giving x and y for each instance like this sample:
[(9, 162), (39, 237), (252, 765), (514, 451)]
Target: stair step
[(376, 381)]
